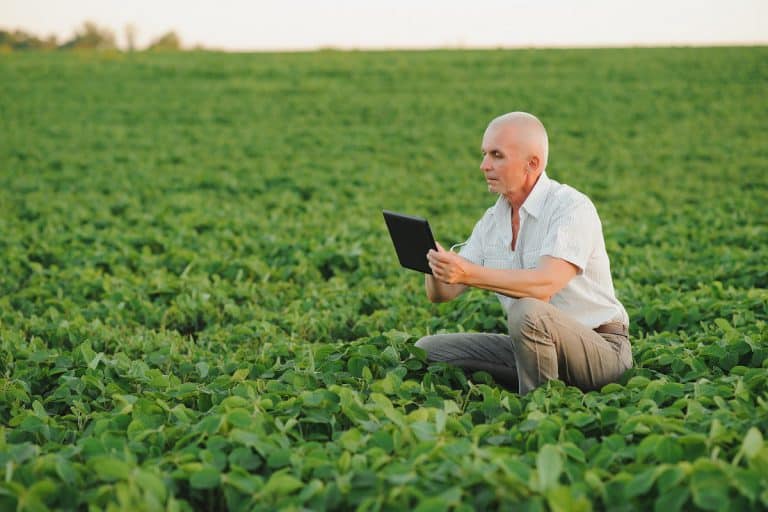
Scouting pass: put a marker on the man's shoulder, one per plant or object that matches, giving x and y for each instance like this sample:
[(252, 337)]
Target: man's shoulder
[(565, 197)]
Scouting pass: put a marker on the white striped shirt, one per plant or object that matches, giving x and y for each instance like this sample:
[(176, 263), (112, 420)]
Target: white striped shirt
[(555, 220)]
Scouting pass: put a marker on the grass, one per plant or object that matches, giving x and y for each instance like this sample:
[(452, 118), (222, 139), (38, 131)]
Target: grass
[(200, 307)]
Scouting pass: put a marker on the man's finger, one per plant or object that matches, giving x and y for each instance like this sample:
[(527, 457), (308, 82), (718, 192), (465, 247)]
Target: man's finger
[(442, 257)]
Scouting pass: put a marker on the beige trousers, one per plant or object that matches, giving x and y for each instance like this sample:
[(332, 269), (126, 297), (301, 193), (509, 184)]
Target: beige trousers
[(543, 344)]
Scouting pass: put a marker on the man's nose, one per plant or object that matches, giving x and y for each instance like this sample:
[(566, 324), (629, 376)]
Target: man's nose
[(485, 165)]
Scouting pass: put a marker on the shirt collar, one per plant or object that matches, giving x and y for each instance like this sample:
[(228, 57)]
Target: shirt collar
[(538, 196), (532, 204)]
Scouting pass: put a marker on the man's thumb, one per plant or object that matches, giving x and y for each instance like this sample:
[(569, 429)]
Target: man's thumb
[(439, 247)]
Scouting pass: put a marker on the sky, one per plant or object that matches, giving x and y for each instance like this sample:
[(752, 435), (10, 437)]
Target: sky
[(254, 25)]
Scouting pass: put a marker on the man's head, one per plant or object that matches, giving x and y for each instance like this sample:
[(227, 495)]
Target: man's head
[(515, 150)]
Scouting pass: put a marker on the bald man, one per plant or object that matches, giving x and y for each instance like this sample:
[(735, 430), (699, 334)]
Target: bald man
[(540, 248)]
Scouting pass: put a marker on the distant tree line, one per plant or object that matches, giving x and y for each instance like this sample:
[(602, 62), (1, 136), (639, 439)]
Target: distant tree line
[(89, 36)]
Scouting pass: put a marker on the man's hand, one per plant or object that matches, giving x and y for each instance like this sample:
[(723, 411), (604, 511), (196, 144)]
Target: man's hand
[(448, 267)]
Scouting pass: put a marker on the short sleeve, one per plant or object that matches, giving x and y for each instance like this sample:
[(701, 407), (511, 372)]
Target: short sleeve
[(572, 234)]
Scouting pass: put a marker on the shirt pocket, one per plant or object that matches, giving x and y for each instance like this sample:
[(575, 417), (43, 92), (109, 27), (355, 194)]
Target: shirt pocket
[(496, 256)]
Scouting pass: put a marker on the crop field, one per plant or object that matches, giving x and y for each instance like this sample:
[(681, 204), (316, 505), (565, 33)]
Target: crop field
[(200, 307)]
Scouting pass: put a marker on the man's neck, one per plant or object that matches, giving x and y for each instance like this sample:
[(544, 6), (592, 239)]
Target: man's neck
[(516, 200)]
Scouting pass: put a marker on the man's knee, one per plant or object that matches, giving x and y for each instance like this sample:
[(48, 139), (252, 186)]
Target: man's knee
[(428, 344), (444, 347), (423, 343), (523, 315)]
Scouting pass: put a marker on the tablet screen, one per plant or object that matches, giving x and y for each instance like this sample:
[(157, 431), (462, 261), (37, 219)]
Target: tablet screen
[(412, 239)]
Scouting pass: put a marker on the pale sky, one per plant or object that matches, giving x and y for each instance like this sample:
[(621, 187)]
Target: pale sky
[(306, 24)]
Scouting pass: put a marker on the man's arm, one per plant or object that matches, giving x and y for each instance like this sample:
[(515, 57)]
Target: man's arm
[(438, 291), (542, 282), (549, 277)]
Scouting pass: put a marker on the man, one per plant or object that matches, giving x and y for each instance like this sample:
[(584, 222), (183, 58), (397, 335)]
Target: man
[(541, 249)]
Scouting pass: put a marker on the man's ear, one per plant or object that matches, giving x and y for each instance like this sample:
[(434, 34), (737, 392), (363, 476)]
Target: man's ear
[(533, 163)]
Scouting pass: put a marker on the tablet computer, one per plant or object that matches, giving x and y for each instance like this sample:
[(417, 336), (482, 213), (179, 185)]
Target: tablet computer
[(412, 239)]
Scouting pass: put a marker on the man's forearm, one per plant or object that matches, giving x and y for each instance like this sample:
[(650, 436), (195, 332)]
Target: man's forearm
[(441, 292), (452, 274), (534, 283)]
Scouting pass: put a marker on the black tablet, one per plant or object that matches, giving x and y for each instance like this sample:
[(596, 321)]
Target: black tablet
[(412, 239)]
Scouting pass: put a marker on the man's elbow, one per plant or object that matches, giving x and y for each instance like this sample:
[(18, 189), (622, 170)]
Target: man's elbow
[(545, 290), (540, 294)]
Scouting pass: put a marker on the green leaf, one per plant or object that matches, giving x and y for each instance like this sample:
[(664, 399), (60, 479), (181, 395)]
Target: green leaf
[(641, 483), (748, 483), (441, 419), (563, 499), (39, 410), (581, 419), (246, 437), (724, 324), (753, 443), (240, 375), (709, 486), (202, 369), (450, 407), (668, 450), (310, 490), (549, 464), (382, 439), (355, 365), (279, 458), (433, 504), (572, 451), (242, 481), (109, 468), (206, 478), (351, 440), (245, 458), (153, 484), (42, 489), (239, 418), (282, 484), (671, 500), (670, 477), (423, 430), (66, 471), (390, 355)]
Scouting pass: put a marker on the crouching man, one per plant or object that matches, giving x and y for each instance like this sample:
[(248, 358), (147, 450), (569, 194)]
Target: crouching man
[(541, 249)]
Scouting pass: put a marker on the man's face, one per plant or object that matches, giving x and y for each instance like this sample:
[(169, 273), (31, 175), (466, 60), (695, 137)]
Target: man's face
[(504, 163)]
